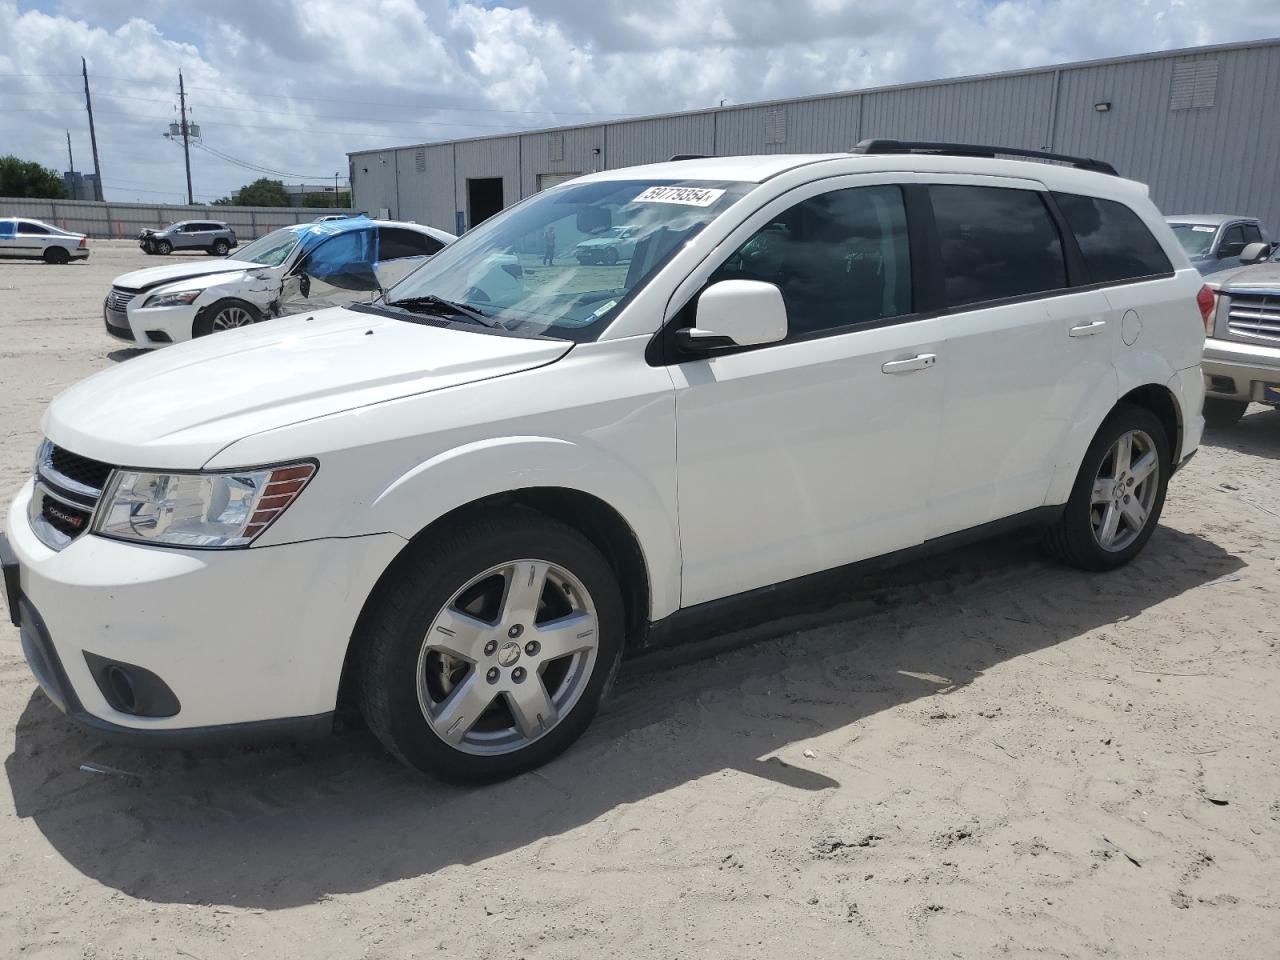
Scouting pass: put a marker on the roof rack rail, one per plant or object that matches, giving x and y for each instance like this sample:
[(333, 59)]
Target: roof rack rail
[(689, 156), (979, 150)]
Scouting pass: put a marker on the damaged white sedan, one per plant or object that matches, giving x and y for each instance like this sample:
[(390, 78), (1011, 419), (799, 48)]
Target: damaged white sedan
[(309, 266)]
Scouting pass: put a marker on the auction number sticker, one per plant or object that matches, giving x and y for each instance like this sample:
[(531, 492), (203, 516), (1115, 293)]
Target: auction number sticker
[(688, 196), (1199, 229)]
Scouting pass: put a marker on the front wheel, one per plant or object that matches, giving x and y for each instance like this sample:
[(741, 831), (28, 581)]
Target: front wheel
[(1220, 412), (164, 247), (224, 315), (486, 651), (1118, 495)]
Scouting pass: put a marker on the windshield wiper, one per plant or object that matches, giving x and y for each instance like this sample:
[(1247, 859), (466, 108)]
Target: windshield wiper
[(447, 306)]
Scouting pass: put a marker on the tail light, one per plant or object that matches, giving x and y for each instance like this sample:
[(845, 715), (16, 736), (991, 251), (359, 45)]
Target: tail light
[(1208, 304), (83, 242)]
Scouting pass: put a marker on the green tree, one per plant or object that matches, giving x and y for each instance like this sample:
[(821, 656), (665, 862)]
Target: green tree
[(25, 178), (263, 193), (325, 200)]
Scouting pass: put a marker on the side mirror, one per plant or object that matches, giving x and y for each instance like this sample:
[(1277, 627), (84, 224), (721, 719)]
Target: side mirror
[(1255, 252), (736, 313)]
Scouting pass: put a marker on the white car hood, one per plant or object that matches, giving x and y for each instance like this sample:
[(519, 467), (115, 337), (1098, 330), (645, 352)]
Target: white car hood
[(177, 408), (171, 273)]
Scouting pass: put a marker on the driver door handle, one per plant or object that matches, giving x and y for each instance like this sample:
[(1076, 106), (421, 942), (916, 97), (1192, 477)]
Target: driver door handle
[(1087, 329), (921, 361)]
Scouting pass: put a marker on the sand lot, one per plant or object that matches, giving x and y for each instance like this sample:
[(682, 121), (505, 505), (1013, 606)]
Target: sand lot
[(984, 755)]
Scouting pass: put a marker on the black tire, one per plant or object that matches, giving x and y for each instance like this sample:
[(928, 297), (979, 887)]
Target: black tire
[(56, 255), (1220, 412), (391, 633), (1071, 539), (204, 323), (163, 247), (220, 248), (610, 257)]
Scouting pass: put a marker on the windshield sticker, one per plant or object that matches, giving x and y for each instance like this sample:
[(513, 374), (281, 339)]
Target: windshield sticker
[(686, 196), (1204, 229)]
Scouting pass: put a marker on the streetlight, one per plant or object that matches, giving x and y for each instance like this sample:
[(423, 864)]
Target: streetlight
[(335, 190)]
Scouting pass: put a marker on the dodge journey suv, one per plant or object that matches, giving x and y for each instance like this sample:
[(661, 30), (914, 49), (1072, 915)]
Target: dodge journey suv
[(459, 506)]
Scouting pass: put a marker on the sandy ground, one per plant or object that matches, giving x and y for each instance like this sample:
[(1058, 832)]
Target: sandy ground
[(985, 755)]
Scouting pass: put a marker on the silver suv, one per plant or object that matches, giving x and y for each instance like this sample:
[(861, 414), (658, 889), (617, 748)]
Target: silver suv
[(1242, 349), (213, 236)]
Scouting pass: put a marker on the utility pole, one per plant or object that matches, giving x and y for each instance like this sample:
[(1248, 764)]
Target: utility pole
[(186, 135), (93, 134), (335, 190), (71, 163)]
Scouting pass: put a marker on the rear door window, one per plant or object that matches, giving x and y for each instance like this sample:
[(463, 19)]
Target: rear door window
[(32, 229), (996, 243), (397, 243), (1114, 241)]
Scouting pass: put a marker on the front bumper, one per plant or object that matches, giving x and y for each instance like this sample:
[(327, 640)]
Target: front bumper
[(150, 327), (1241, 371), (250, 642)]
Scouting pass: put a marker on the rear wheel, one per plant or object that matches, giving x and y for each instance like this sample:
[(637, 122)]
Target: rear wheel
[(220, 248), (163, 247), (1118, 495), (610, 257), (56, 255), (486, 651), (224, 315), (1220, 412)]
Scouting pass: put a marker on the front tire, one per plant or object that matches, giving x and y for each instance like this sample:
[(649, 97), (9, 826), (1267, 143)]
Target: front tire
[(225, 315), (163, 247), (1118, 495), (1220, 412), (486, 651), (56, 255)]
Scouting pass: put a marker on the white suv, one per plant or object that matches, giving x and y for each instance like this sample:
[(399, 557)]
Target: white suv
[(459, 506)]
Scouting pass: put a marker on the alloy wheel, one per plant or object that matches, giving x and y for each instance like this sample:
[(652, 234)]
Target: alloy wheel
[(229, 318), (1124, 490), (508, 657)]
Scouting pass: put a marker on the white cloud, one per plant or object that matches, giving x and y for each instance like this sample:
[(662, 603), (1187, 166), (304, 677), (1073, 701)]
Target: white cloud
[(293, 86)]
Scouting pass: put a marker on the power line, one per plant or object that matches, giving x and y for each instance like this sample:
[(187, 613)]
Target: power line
[(249, 165)]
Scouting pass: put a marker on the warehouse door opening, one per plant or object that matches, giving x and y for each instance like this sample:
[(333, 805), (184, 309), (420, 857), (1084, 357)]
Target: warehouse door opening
[(484, 199)]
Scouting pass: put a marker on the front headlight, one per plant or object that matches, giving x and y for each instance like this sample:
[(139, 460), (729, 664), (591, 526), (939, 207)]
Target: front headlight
[(210, 510), (179, 299)]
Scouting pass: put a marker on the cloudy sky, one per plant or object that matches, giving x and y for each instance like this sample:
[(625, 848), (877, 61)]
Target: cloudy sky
[(290, 86)]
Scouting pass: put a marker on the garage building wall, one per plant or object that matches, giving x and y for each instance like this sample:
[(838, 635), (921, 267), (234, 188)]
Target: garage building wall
[(1200, 126)]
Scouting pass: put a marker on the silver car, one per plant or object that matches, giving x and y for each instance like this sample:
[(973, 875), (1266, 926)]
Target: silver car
[(212, 236), (1213, 241), (1242, 348), (24, 239)]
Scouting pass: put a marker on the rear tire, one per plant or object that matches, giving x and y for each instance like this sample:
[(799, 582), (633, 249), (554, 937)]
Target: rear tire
[(1105, 484), (56, 255), (1220, 412), (470, 704), (219, 248), (610, 257), (163, 247)]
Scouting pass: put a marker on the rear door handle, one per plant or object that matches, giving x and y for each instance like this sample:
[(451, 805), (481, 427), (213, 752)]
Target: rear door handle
[(921, 361), (1087, 329)]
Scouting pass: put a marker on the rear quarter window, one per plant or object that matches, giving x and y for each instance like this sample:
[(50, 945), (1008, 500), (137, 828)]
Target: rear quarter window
[(1115, 243)]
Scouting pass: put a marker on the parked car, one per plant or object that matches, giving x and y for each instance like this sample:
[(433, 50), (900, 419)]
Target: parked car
[(1242, 352), (609, 247), (460, 505), (212, 236), (1214, 241), (305, 267), (25, 239)]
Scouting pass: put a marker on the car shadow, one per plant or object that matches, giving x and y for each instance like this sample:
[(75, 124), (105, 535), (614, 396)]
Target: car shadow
[(1257, 433), (126, 353), (277, 827)]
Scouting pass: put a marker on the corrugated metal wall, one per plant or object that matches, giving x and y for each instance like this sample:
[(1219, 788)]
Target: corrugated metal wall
[(124, 220), (1223, 158)]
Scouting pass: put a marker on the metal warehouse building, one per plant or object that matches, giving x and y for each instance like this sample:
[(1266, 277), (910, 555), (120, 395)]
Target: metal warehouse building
[(1200, 125)]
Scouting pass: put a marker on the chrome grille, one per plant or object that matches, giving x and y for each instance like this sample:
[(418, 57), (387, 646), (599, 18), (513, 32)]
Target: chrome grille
[(67, 490), (119, 299), (1254, 315)]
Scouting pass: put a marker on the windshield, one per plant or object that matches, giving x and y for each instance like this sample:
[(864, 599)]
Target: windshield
[(561, 262), (1196, 238), (271, 250)]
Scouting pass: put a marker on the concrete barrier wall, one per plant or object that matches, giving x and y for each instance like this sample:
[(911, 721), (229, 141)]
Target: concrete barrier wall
[(124, 220)]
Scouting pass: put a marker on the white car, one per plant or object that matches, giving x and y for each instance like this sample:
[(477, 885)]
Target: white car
[(309, 266), (459, 506), (25, 239)]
